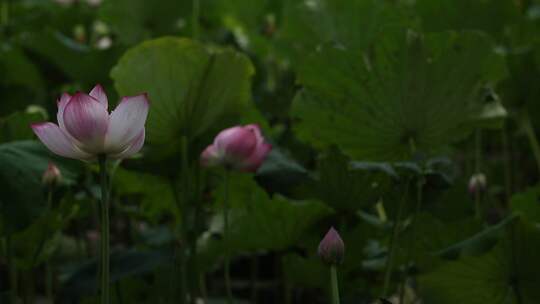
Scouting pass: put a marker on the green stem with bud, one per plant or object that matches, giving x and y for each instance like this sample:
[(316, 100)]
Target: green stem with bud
[(226, 237), (334, 284), (507, 164), (104, 218), (4, 16), (478, 168), (195, 18), (48, 266), (393, 242), (13, 279), (533, 140)]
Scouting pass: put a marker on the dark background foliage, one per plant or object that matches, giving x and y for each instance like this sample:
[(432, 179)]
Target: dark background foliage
[(379, 112)]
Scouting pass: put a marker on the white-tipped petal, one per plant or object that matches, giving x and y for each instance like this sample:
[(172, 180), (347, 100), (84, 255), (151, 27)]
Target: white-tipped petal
[(133, 148), (126, 123), (57, 141), (211, 156), (87, 121), (99, 94), (62, 102)]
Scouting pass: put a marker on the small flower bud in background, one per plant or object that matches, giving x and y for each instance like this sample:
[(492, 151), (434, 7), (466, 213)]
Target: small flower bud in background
[(241, 148), (52, 176), (477, 184), (331, 249)]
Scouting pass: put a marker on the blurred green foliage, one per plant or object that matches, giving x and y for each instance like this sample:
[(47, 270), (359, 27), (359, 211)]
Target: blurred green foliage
[(379, 111)]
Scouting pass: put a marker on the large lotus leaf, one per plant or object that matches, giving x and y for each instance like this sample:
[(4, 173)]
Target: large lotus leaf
[(191, 87), (39, 241), (280, 173), (78, 61), (253, 23), (81, 280), (305, 272), (22, 164), (491, 16), (16, 126), (428, 236), (507, 274), (409, 94), (135, 20), (155, 193), (352, 23), (260, 222), (527, 204), (273, 224), (21, 82), (349, 187)]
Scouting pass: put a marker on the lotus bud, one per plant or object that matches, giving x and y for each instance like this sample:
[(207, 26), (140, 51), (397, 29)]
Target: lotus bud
[(52, 176), (477, 184), (241, 148), (331, 248)]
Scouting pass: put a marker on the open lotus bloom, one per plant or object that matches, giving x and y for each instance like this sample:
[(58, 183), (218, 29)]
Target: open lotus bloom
[(240, 148), (85, 129)]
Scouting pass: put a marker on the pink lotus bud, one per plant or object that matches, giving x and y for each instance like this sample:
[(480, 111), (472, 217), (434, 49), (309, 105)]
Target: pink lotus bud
[(477, 184), (52, 175), (241, 148), (331, 249), (86, 129)]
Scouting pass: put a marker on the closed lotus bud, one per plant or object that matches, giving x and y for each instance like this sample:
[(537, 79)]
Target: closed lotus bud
[(332, 249), (52, 175), (477, 184), (241, 148)]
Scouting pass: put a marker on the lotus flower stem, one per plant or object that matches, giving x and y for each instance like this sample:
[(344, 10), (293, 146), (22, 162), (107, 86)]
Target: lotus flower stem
[(393, 242), (105, 262), (195, 18), (5, 13), (254, 273), (334, 282), (184, 207), (48, 266), (13, 280), (411, 250), (507, 164), (478, 168), (533, 140), (226, 237)]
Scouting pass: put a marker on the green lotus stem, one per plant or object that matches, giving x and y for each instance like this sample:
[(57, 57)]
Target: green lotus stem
[(195, 18), (533, 140), (507, 164), (254, 273), (49, 282), (48, 266), (393, 241), (419, 199), (184, 210), (13, 280), (4, 18), (104, 250), (334, 283), (202, 286), (478, 167), (226, 237)]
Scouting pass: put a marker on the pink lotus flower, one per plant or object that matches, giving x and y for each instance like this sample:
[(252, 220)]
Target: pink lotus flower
[(331, 248), (85, 129), (240, 148)]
